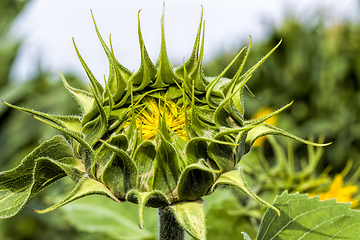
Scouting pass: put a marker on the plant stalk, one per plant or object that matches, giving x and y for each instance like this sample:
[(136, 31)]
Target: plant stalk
[(169, 229)]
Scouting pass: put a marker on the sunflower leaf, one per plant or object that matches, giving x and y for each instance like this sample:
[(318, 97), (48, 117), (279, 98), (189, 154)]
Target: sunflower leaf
[(35, 172), (329, 220)]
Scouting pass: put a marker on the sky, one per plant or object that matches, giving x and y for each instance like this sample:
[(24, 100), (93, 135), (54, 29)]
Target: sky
[(48, 26)]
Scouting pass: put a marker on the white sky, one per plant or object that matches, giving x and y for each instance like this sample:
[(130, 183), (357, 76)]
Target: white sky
[(49, 25)]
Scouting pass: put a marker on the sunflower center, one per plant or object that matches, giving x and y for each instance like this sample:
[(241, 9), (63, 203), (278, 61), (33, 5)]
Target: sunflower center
[(148, 118)]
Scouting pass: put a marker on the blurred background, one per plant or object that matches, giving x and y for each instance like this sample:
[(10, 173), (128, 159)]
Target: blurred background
[(317, 65)]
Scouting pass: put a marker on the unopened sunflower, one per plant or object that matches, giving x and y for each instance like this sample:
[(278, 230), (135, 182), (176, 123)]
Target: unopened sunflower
[(160, 137)]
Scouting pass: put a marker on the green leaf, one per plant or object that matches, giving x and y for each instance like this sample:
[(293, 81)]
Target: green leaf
[(237, 179), (85, 187), (34, 173), (191, 217), (117, 220), (308, 218), (72, 123)]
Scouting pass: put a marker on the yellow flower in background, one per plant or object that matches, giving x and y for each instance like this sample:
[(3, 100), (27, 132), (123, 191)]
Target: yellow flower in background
[(339, 192), (272, 121)]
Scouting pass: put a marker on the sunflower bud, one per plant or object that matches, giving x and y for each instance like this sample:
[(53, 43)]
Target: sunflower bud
[(160, 137)]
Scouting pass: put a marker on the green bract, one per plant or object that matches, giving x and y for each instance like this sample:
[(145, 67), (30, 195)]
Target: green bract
[(110, 149)]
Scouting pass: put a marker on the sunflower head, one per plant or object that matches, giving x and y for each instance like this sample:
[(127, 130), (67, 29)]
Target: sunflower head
[(160, 137)]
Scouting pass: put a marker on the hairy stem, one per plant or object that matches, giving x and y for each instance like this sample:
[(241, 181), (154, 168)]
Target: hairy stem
[(169, 227)]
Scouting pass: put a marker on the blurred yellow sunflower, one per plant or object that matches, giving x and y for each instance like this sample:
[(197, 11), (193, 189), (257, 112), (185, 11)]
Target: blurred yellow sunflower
[(339, 192), (272, 121)]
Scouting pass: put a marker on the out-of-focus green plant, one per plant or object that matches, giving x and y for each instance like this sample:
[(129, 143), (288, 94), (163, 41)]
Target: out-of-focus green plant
[(41, 92), (317, 66), (19, 134), (8, 48), (232, 212)]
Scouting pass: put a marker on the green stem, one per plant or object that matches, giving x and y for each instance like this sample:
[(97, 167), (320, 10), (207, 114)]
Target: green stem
[(169, 227)]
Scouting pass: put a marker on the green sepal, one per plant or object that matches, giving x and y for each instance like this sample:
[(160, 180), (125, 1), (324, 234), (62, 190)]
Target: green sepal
[(146, 199), (191, 217), (166, 169), (120, 174), (213, 83), (147, 71), (188, 83), (237, 179), (162, 126), (238, 98), (222, 154), (85, 187), (195, 181), (34, 173), (91, 114), (116, 82), (98, 89), (72, 123), (197, 75), (230, 86), (191, 63), (117, 72), (173, 92), (83, 98), (238, 110), (267, 129), (128, 93), (197, 126), (180, 145), (145, 159), (103, 156), (165, 72), (196, 150), (263, 119), (227, 112), (93, 131), (84, 149)]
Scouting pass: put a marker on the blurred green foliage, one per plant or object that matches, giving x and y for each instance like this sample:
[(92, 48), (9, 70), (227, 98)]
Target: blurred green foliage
[(317, 66), (41, 92), (20, 133)]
